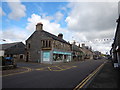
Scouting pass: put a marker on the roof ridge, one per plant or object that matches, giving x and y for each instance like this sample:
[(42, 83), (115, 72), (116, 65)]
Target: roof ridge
[(11, 43), (56, 37)]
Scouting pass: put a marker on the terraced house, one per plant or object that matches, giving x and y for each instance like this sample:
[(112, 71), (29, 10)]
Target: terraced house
[(77, 52), (115, 51), (45, 47)]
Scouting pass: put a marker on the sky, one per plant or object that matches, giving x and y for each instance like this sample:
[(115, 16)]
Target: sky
[(92, 23)]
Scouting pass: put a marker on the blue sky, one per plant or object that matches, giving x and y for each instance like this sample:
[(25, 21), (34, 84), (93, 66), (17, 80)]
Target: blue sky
[(39, 8), (79, 21)]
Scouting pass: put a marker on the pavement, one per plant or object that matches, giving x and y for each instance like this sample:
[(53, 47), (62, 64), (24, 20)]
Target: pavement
[(108, 77), (66, 75)]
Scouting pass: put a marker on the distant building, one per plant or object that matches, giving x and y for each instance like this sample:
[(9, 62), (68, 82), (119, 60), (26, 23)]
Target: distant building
[(16, 50), (45, 47), (97, 55), (77, 53), (87, 51)]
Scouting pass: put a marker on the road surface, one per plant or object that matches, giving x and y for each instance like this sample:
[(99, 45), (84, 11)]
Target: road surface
[(53, 76)]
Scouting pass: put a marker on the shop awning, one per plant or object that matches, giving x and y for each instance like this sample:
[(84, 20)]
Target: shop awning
[(64, 53)]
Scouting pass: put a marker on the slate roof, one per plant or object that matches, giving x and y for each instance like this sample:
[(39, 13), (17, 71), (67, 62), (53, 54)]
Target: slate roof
[(86, 50), (50, 35), (75, 48), (54, 37), (8, 45), (13, 48)]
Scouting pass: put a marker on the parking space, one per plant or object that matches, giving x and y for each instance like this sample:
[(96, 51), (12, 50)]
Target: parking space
[(24, 67), (56, 68)]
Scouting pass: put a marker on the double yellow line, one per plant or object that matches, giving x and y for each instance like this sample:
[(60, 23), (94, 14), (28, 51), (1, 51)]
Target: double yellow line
[(79, 86)]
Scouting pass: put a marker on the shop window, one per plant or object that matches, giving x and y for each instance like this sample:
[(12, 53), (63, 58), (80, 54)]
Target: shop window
[(57, 57)]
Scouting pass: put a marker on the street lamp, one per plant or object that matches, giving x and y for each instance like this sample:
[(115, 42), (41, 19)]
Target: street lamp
[(3, 40)]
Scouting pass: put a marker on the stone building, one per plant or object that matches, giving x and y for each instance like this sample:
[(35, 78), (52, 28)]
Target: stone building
[(45, 47), (77, 52), (97, 55), (16, 50), (87, 51), (115, 51)]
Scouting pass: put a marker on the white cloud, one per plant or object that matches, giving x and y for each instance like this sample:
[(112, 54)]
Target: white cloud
[(2, 13), (18, 10), (92, 16), (14, 35), (85, 22), (63, 8), (92, 20), (51, 27), (58, 16)]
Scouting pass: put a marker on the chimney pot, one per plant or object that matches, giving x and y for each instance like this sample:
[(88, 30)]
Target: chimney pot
[(39, 26), (83, 45), (60, 35), (74, 42)]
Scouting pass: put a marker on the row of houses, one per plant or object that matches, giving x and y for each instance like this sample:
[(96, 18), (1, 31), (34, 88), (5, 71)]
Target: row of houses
[(115, 50), (45, 47)]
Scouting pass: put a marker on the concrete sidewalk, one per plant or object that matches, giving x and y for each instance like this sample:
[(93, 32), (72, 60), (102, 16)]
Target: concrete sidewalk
[(108, 77)]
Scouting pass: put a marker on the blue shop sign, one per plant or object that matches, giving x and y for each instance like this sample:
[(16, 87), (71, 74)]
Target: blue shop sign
[(65, 53), (46, 56)]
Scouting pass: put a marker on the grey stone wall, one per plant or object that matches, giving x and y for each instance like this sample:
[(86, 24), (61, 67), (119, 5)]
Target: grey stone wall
[(35, 45)]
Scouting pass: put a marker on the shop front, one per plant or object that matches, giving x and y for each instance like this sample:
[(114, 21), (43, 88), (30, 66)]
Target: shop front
[(59, 56), (55, 56)]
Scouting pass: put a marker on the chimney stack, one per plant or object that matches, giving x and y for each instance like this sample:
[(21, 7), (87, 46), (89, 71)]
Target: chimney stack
[(83, 45), (79, 45), (74, 42), (39, 26), (60, 36)]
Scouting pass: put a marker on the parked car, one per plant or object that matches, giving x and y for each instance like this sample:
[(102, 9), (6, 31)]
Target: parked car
[(8, 61)]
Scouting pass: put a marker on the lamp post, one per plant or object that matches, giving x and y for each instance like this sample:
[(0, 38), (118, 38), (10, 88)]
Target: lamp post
[(3, 40)]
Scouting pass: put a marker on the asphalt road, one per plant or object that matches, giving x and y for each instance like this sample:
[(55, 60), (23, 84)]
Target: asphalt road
[(66, 78)]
